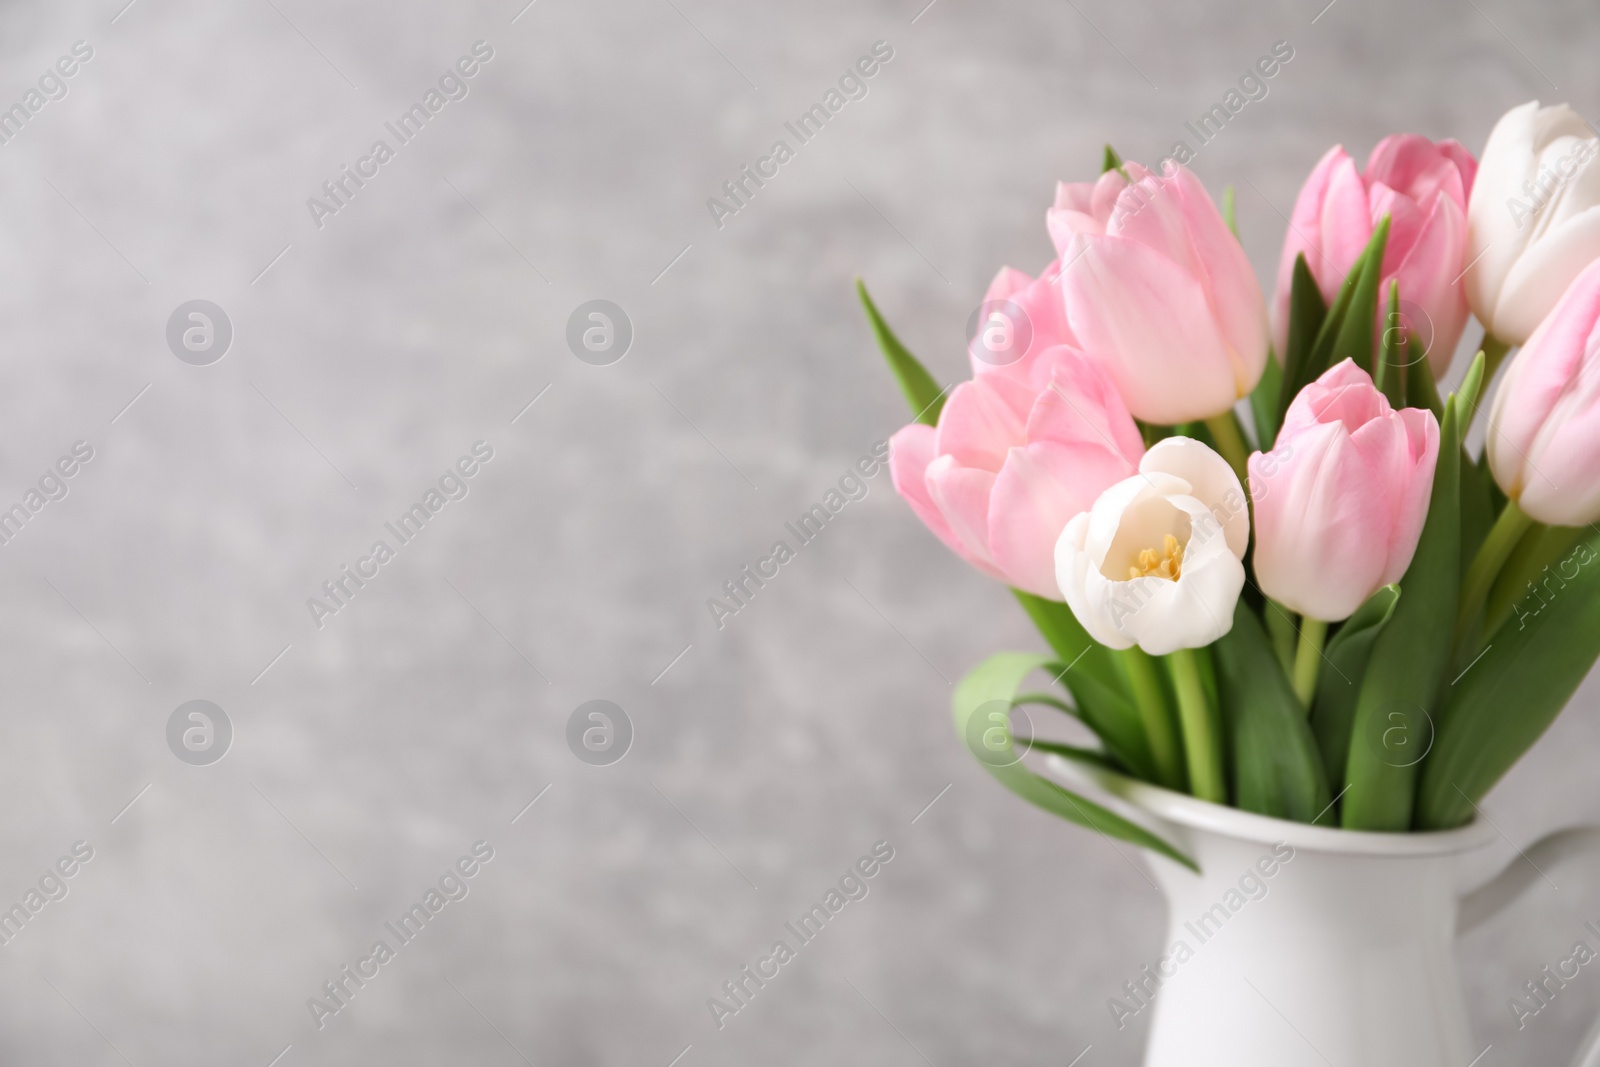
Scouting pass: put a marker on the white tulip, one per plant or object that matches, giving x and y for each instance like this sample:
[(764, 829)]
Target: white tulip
[(1157, 561), (1533, 218)]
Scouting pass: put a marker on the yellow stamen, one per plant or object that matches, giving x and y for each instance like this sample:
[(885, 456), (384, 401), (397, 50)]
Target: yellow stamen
[(1169, 564)]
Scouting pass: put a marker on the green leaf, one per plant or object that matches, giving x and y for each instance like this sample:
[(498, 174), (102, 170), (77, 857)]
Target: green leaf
[(1354, 340), (1112, 161), (1113, 718), (1307, 313), (1079, 753), (1421, 392), (980, 708), (1477, 509), (1346, 332), (1477, 506), (1229, 209), (1395, 713), (1071, 642), (1333, 712), (1506, 700), (922, 391), (1466, 398), (1264, 404), (1048, 700), (1390, 376), (1097, 683), (1273, 757)]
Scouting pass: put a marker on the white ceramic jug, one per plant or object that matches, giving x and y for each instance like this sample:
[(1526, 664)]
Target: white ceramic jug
[(1307, 946)]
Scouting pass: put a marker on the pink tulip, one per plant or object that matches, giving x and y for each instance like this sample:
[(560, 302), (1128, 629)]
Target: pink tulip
[(1544, 428), (1423, 187), (1166, 299), (1340, 500), (1010, 464), (1033, 320)]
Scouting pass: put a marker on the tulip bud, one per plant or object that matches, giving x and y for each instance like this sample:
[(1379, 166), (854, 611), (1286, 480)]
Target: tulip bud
[(1010, 462), (1341, 499), (1019, 320), (1423, 187), (1534, 219), (1083, 207), (1544, 428), (1167, 300)]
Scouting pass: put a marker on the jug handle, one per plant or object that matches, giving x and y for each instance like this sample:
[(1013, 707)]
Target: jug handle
[(1489, 899), (1497, 893)]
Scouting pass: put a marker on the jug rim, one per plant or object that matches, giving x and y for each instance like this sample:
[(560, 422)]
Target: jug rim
[(1193, 813)]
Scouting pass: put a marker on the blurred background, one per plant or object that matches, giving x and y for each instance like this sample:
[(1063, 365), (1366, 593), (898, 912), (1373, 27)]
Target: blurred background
[(351, 355)]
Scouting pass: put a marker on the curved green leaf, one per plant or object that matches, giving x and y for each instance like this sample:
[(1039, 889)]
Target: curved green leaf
[(1390, 372), (1333, 712), (1081, 755), (1113, 718), (922, 391), (1307, 313), (1421, 390), (1356, 327), (1506, 700), (979, 706), (1264, 403)]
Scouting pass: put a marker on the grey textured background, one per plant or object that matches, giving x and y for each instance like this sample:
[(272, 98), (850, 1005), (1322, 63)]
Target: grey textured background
[(422, 318)]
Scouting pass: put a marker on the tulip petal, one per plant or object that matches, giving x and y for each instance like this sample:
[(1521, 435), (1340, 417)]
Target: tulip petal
[(911, 450), (1074, 567), (1345, 227), (1510, 157), (1038, 491), (1082, 207), (1040, 303), (1304, 237), (1316, 552), (1544, 429), (1539, 277), (1210, 479), (981, 421), (1421, 169), (1080, 405), (962, 497), (1411, 511), (1430, 279), (1229, 280), (1150, 322)]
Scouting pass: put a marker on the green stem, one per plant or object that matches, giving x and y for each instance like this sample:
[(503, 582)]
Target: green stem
[(1308, 658), (1503, 537), (1281, 628), (1151, 701), (1228, 434), (1494, 353), (1200, 741), (1539, 548)]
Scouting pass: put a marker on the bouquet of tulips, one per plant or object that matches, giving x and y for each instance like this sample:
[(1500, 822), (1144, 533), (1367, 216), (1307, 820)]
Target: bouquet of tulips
[(1270, 570)]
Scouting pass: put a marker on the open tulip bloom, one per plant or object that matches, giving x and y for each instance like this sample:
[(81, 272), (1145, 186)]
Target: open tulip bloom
[(1269, 570)]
